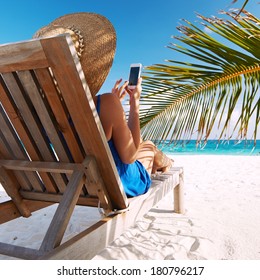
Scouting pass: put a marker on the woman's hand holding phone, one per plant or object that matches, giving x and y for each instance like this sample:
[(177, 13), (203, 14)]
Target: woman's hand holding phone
[(132, 87), (135, 93)]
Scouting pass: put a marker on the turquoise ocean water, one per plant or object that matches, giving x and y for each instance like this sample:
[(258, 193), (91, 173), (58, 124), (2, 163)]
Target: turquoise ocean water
[(213, 147)]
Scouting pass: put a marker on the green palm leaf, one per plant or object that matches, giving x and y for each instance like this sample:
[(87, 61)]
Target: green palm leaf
[(183, 98)]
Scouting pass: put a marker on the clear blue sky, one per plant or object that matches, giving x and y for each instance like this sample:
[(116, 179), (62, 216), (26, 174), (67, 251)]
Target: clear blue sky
[(144, 27)]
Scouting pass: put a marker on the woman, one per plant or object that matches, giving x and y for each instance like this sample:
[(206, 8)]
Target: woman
[(135, 159), (94, 40)]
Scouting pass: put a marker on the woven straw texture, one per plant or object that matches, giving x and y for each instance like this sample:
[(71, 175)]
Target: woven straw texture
[(94, 38)]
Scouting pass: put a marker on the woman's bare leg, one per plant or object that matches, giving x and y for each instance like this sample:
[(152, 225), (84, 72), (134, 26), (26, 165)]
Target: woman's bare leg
[(161, 162), (152, 158), (146, 155)]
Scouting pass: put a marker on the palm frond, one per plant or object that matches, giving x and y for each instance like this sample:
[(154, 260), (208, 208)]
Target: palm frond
[(243, 7), (183, 98)]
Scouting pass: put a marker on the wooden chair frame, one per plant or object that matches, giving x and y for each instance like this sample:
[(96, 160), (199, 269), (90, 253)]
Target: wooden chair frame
[(53, 150)]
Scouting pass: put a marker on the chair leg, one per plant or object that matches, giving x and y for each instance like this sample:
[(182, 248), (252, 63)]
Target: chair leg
[(179, 193), (11, 187), (63, 213)]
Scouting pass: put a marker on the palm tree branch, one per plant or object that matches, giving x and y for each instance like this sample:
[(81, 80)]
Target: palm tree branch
[(179, 98)]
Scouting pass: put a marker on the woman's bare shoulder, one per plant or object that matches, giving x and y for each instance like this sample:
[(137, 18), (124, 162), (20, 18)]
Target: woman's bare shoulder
[(111, 103), (108, 97)]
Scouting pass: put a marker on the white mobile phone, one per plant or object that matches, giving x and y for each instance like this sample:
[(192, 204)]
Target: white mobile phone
[(135, 73)]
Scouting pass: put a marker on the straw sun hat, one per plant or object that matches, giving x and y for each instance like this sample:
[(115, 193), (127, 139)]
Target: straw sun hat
[(94, 38)]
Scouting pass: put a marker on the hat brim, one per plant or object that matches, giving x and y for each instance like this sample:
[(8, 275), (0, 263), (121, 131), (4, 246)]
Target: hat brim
[(99, 44)]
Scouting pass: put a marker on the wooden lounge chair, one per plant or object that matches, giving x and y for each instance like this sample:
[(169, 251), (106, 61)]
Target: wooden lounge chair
[(53, 150)]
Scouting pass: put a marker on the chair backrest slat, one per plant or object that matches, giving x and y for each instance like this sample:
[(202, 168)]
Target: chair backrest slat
[(32, 123), (45, 117), (24, 135), (22, 56), (15, 150), (60, 113)]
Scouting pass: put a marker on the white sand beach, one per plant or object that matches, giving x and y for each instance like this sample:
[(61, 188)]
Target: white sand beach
[(222, 218)]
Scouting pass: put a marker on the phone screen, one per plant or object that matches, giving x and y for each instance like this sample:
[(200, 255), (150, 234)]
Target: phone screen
[(134, 75)]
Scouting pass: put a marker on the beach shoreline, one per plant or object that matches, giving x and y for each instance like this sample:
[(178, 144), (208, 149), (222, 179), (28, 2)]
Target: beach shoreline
[(221, 220)]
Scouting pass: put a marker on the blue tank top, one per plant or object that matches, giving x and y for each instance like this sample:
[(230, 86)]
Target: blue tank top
[(134, 177)]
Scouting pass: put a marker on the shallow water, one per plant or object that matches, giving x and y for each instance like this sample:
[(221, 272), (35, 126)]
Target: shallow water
[(213, 147)]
